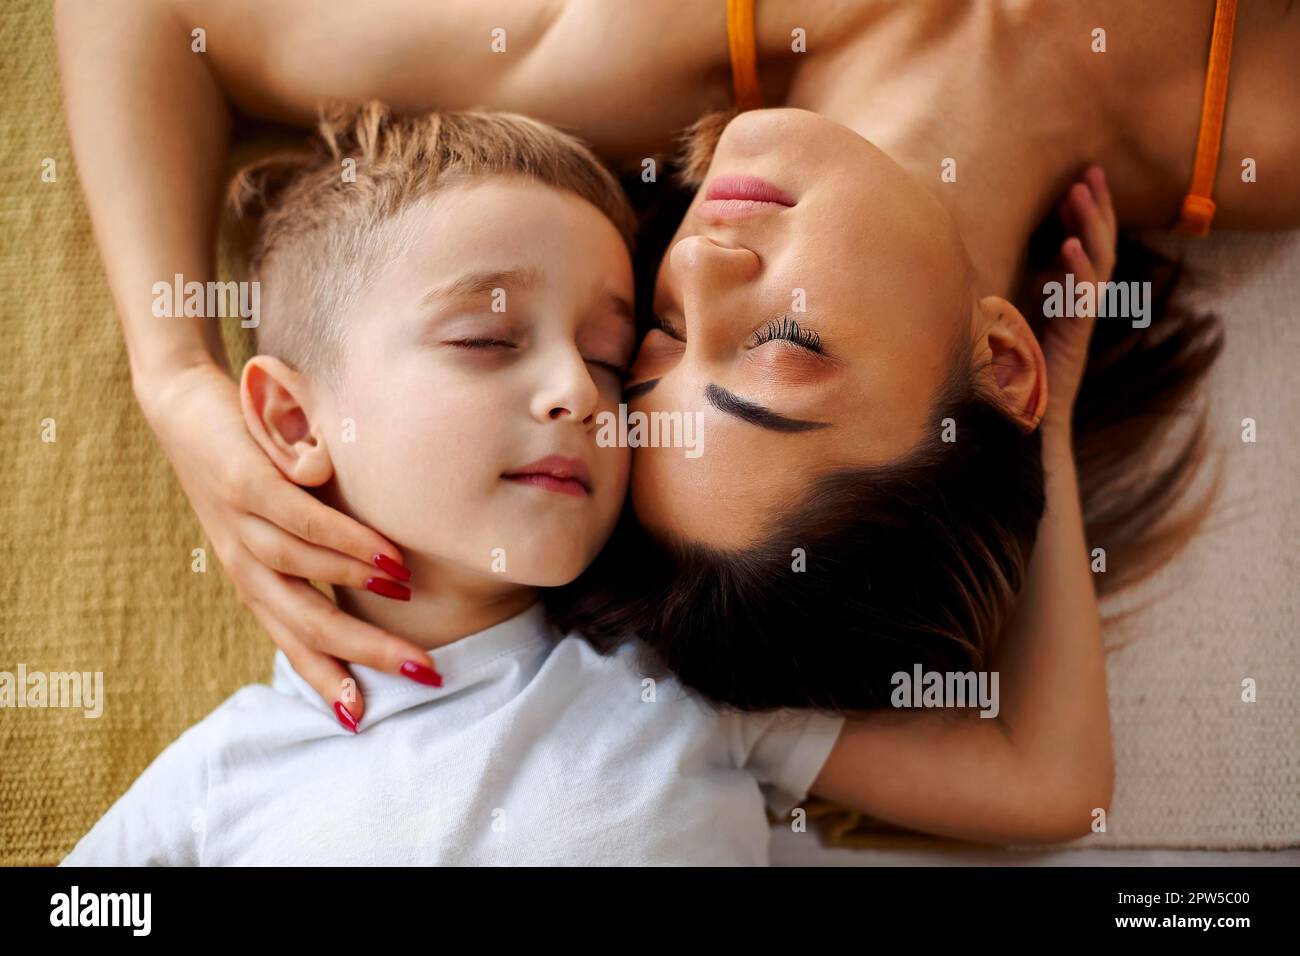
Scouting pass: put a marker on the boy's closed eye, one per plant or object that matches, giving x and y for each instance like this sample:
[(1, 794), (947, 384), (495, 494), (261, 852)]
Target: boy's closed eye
[(613, 361), (609, 350)]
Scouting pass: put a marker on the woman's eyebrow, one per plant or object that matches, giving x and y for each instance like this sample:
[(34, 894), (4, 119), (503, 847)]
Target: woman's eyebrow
[(747, 411)]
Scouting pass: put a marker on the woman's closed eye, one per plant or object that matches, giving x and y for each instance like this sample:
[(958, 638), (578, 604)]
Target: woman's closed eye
[(783, 328), (788, 330), (663, 325), (661, 348)]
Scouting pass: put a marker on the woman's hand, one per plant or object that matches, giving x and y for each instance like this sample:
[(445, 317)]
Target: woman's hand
[(270, 535), (1088, 253)]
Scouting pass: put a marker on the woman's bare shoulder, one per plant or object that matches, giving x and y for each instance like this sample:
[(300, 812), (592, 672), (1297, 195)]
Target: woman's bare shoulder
[(623, 75), (1258, 183), (1153, 75)]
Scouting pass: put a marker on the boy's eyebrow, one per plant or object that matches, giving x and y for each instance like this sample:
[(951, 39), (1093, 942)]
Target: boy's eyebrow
[(482, 283)]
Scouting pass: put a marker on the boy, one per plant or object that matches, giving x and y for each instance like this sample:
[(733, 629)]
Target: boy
[(440, 334)]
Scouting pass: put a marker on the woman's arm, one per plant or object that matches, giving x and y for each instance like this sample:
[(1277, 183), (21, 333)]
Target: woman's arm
[(1038, 770), (624, 77), (149, 114), (149, 128)]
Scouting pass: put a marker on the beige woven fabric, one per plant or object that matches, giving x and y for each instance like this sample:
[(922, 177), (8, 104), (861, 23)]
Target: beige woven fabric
[(96, 540), (1196, 766), (95, 532)]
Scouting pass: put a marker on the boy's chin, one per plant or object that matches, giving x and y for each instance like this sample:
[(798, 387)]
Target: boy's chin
[(547, 566), (547, 576)]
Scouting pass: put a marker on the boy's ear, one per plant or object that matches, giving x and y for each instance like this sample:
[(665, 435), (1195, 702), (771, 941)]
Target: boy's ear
[(274, 398), (1008, 354)]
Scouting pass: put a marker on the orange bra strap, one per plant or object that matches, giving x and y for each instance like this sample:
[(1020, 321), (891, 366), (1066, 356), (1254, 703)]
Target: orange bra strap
[(1198, 207), (744, 54)]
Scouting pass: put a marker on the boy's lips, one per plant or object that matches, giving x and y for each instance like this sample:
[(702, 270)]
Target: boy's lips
[(568, 476)]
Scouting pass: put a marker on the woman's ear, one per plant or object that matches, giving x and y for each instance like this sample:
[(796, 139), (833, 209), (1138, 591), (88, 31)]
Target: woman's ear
[(274, 398), (1007, 354)]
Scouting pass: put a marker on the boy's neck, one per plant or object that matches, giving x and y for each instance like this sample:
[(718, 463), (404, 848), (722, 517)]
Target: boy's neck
[(446, 604)]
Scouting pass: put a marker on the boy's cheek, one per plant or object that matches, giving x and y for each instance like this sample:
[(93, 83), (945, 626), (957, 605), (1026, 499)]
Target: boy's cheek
[(612, 473), (612, 463)]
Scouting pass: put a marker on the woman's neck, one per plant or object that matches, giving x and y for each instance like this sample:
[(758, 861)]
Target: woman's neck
[(446, 603), (1001, 191), (928, 90)]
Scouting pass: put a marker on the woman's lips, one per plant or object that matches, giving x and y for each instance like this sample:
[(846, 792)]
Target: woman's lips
[(749, 188), (568, 476), (731, 198)]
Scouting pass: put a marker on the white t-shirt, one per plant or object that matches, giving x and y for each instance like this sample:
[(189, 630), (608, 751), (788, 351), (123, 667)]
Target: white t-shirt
[(535, 750)]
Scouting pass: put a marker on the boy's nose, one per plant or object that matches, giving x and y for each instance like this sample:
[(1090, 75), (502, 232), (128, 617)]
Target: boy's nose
[(568, 394)]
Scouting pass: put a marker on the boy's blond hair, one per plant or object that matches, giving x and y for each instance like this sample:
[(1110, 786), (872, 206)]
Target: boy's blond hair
[(319, 228)]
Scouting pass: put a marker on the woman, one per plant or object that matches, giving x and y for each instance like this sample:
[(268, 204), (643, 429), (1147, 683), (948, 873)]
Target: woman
[(941, 134)]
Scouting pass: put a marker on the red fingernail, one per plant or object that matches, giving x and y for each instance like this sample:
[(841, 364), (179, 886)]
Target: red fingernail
[(389, 589), (345, 717), (384, 563), (422, 673)]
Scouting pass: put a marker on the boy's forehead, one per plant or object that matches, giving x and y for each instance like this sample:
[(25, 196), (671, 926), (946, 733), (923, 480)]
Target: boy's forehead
[(476, 284), (504, 221), (507, 233)]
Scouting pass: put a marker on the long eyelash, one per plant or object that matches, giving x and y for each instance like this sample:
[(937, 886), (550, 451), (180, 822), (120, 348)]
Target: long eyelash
[(480, 343), (668, 330), (619, 370), (787, 328)]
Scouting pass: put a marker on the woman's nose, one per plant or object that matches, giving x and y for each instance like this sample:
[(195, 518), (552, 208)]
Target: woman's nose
[(714, 282), (703, 263)]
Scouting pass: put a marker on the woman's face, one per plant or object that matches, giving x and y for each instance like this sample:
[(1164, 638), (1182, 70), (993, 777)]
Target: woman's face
[(812, 333)]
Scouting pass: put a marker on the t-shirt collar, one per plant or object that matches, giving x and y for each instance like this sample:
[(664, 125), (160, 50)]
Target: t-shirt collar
[(462, 663)]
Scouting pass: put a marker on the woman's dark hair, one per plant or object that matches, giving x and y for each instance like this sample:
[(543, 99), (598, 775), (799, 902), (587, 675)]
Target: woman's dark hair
[(1139, 431), (916, 562), (879, 569)]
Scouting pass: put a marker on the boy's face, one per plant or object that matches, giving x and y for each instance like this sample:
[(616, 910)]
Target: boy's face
[(477, 364)]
